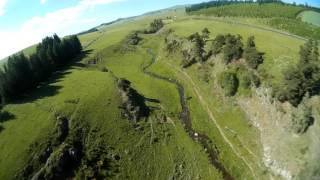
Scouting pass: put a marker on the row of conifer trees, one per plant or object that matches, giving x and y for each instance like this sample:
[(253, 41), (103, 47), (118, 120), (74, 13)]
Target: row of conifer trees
[(21, 73)]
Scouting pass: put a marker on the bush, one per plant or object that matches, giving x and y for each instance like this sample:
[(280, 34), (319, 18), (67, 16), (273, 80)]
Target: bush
[(229, 82), (302, 119), (155, 26), (133, 39)]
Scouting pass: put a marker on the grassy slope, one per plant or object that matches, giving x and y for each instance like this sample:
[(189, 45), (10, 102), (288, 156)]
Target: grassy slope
[(34, 116), (95, 89)]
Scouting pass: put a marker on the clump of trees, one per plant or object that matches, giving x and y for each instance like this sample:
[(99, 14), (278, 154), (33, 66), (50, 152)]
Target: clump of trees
[(194, 48), (230, 45), (155, 26), (303, 78), (252, 56), (229, 82), (233, 48), (22, 73), (173, 43), (133, 39)]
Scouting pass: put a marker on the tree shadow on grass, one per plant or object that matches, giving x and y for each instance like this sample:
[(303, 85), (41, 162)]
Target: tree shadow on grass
[(77, 62), (5, 116), (47, 88)]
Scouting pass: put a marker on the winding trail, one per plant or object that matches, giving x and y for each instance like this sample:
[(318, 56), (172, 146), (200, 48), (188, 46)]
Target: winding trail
[(202, 139), (209, 112)]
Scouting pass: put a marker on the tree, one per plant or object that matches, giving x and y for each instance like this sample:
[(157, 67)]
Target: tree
[(205, 34), (229, 82), (305, 78), (218, 44), (233, 48), (251, 55), (155, 25)]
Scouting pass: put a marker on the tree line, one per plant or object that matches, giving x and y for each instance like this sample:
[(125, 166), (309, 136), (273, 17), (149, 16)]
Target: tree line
[(21, 73)]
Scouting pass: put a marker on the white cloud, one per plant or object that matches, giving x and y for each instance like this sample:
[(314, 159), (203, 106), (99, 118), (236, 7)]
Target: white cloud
[(43, 1), (62, 22), (2, 6)]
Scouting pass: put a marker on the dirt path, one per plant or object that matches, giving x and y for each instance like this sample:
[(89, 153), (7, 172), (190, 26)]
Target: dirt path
[(209, 112)]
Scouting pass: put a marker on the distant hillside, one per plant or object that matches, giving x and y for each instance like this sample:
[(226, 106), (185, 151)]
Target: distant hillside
[(278, 15), (269, 10)]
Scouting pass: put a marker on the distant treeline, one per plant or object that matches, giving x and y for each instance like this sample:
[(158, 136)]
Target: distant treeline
[(218, 3), (21, 73), (266, 10), (88, 31)]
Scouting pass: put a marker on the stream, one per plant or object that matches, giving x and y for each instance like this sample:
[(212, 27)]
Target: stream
[(185, 117)]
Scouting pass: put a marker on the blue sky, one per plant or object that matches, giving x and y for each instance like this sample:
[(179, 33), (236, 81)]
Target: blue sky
[(26, 22)]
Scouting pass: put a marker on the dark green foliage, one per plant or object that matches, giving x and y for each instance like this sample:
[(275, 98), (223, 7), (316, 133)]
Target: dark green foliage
[(233, 48), (218, 44), (305, 78), (155, 26), (251, 55), (229, 82), (302, 119), (22, 73), (205, 34)]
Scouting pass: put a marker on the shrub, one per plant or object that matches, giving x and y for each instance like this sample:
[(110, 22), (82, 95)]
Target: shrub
[(302, 119), (155, 26)]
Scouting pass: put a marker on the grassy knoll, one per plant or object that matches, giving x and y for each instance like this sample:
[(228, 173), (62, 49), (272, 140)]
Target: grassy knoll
[(310, 17)]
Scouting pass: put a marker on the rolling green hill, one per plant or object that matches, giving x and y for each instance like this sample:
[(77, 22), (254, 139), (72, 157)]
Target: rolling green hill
[(310, 17), (191, 129), (277, 15)]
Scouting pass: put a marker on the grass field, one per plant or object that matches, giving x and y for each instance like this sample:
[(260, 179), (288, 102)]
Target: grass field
[(174, 155), (310, 17)]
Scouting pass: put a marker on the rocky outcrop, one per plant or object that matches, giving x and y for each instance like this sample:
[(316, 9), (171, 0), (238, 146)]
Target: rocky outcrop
[(133, 104), (59, 163), (62, 126)]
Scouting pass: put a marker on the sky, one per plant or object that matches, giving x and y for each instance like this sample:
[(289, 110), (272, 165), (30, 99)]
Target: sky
[(26, 22)]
